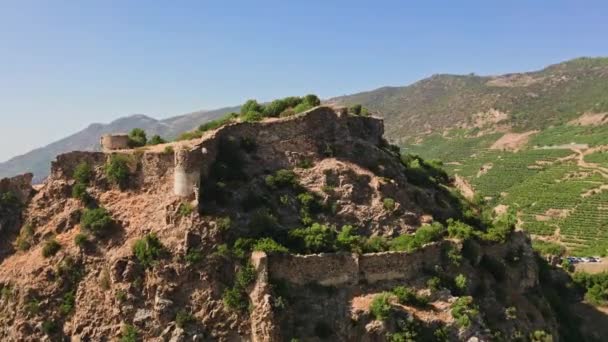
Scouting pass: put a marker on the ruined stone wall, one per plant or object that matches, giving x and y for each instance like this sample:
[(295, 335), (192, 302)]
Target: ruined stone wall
[(20, 186), (333, 269), (283, 142)]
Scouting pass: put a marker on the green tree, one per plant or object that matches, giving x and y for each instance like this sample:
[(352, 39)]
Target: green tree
[(148, 250), (251, 106), (97, 221), (117, 170), (312, 100), (137, 137), (156, 140), (83, 173)]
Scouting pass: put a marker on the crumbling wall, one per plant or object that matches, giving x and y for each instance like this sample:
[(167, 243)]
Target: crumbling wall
[(20, 186), (63, 166), (283, 142), (333, 269)]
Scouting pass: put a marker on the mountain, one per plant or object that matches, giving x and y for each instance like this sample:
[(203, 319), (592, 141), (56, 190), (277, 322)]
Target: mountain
[(38, 161), (308, 227), (536, 142), (531, 100)]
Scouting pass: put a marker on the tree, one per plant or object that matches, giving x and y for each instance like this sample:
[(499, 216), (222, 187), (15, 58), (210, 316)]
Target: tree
[(312, 100), (156, 140), (251, 106), (97, 221), (356, 109), (137, 138), (117, 170), (275, 108)]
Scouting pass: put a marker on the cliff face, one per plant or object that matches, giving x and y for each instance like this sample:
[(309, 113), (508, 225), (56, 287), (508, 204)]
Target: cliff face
[(172, 258)]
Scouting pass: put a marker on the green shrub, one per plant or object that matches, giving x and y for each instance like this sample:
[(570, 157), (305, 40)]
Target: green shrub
[(422, 236), (224, 224), (302, 107), (189, 135), (79, 191), (348, 240), (262, 223), (235, 299), (50, 327), (375, 244), (407, 296), (464, 311), (388, 204), (183, 318), (194, 256), (434, 284), (24, 240), (117, 170), (314, 239), (459, 230), (251, 105), (128, 333), (355, 109), (156, 140), (287, 113), (245, 276), (252, 116), (32, 306), (97, 221), (148, 250), (461, 282), (185, 209), (67, 303), (169, 149), (80, 240), (137, 138), (275, 108), (50, 248), (268, 245), (282, 178), (69, 272), (312, 100), (83, 173), (9, 204), (381, 306), (540, 336)]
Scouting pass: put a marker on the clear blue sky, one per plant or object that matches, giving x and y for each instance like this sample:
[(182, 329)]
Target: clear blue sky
[(66, 64)]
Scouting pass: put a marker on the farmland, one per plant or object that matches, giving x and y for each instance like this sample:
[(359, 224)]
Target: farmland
[(557, 183)]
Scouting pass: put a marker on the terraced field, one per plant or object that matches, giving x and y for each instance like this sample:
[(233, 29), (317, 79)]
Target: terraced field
[(558, 182)]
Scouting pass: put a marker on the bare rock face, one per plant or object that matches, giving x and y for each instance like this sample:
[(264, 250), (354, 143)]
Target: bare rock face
[(164, 264)]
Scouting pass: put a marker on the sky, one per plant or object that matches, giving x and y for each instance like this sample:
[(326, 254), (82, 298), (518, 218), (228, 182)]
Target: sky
[(67, 64)]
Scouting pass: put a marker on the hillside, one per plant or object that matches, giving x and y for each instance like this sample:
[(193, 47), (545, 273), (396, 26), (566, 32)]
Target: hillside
[(535, 142), (532, 100), (306, 227), (38, 161)]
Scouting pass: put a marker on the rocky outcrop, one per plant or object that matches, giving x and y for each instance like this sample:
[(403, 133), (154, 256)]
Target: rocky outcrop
[(193, 201)]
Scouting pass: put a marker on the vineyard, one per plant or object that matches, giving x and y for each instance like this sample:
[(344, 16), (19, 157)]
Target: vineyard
[(556, 196)]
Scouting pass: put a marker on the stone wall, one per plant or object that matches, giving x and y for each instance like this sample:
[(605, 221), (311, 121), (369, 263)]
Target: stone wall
[(20, 185), (282, 142), (343, 269)]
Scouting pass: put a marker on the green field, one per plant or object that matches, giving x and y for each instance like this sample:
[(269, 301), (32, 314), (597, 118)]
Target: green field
[(554, 196)]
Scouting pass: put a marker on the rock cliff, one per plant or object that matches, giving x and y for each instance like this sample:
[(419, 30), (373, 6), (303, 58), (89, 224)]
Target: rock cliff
[(283, 229)]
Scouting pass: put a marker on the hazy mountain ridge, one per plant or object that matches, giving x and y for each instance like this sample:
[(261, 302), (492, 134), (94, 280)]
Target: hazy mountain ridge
[(38, 160), (532, 100)]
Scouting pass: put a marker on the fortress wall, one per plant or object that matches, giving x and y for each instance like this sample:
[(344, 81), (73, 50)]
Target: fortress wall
[(20, 186), (332, 269), (283, 142), (398, 265), (63, 166)]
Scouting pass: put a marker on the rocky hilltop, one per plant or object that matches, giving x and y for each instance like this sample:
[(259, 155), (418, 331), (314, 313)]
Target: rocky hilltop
[(310, 227)]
